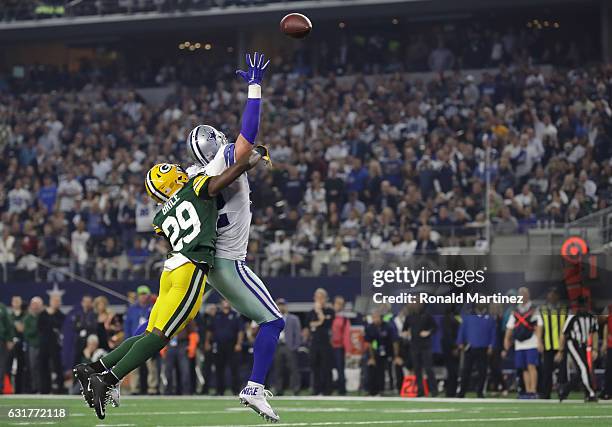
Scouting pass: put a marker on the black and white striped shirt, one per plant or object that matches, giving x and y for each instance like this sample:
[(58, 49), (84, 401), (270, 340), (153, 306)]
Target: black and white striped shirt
[(579, 326)]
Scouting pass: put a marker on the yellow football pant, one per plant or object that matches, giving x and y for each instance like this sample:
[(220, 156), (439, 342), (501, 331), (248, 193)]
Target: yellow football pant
[(179, 300)]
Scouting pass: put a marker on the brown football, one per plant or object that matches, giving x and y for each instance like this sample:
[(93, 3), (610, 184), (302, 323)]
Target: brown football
[(296, 25)]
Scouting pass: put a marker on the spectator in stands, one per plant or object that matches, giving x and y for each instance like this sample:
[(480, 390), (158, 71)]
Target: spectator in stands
[(17, 355), (6, 341), (108, 261), (68, 190), (315, 196), (205, 323), (319, 321), (92, 351), (383, 350), (340, 341), (506, 223), (47, 194), (19, 198), (334, 185), (78, 248), (50, 325), (176, 362), (137, 257), (339, 256), (278, 254), (441, 58), (420, 326), (31, 336), (105, 318), (7, 247), (476, 338), (524, 329), (227, 330), (80, 323), (450, 350), (145, 379), (286, 370), (425, 244), (353, 204)]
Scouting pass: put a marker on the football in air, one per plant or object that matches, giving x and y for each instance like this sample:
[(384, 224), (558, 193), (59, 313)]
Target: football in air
[(296, 25)]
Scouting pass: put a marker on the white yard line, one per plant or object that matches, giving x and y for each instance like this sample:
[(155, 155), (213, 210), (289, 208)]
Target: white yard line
[(423, 421), (317, 398), (32, 423), (280, 409)]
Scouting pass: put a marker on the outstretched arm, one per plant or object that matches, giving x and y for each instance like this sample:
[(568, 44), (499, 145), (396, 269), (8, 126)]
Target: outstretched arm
[(256, 65)]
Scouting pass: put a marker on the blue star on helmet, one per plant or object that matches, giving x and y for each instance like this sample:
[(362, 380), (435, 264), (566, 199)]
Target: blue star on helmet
[(211, 135)]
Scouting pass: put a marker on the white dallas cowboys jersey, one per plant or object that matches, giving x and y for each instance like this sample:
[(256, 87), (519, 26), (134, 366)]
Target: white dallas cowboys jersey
[(234, 206)]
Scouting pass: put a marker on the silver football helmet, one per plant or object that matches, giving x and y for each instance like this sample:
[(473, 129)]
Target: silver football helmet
[(203, 143)]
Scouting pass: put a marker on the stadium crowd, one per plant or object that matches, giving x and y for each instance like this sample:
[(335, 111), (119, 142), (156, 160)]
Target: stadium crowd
[(483, 350), (380, 163), (29, 9)]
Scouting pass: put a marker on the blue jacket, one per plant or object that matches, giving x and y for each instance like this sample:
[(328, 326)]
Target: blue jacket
[(477, 330), (135, 315)]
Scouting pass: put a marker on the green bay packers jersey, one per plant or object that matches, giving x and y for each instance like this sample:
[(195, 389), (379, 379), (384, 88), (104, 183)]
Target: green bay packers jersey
[(189, 221)]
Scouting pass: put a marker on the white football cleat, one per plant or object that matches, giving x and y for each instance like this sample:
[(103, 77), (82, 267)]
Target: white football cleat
[(254, 396), (114, 394)]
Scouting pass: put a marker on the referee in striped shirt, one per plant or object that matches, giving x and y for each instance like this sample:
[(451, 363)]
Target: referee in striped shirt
[(577, 331)]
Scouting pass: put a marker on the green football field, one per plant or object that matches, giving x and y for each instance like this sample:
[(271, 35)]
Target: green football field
[(306, 411)]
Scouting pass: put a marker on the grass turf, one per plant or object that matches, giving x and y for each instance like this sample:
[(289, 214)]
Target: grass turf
[(304, 412)]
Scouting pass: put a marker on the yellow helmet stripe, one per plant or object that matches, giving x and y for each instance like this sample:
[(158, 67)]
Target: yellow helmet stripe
[(153, 190)]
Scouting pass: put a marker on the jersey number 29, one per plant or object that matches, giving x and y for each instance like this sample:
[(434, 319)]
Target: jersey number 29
[(186, 219)]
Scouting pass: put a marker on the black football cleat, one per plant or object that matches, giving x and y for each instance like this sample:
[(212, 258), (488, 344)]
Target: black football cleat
[(81, 373), (100, 394)]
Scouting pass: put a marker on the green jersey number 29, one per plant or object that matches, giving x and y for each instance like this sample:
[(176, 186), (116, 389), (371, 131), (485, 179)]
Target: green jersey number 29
[(186, 220)]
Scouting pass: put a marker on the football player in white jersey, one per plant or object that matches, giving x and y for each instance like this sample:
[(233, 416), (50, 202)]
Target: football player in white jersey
[(231, 277)]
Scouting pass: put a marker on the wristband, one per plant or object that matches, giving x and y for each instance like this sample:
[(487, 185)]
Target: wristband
[(254, 91)]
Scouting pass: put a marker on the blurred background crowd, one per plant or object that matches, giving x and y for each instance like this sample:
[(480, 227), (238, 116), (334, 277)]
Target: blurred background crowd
[(376, 163), (465, 350), (393, 132)]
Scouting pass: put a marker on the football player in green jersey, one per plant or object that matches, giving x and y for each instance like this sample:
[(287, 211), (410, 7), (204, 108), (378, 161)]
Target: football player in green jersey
[(188, 220)]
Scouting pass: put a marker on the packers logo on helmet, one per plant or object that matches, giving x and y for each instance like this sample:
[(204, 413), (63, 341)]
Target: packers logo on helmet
[(163, 180)]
